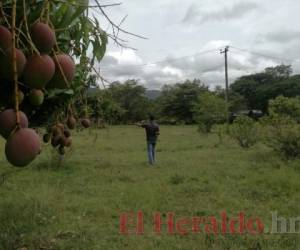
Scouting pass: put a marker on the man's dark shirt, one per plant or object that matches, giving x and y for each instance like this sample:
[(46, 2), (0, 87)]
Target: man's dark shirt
[(152, 131)]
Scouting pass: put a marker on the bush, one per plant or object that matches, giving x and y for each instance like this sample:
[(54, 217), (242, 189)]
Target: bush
[(244, 131), (284, 106), (210, 110), (221, 131), (282, 133), (281, 128)]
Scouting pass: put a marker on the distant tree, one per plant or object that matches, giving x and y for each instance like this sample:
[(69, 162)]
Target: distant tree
[(289, 88), (280, 72), (132, 99), (248, 87), (178, 101), (237, 102), (259, 88), (209, 110), (104, 109)]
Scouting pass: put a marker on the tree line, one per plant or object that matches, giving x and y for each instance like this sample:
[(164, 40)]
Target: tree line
[(187, 102)]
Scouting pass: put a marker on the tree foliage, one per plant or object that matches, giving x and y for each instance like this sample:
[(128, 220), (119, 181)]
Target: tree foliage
[(284, 106), (259, 88), (120, 102), (209, 110), (282, 134), (76, 34), (177, 101), (281, 129)]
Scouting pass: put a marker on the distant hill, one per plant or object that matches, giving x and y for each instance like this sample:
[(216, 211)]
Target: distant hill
[(153, 94)]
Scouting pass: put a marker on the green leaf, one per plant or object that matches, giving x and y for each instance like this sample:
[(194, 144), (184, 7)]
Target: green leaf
[(53, 93)]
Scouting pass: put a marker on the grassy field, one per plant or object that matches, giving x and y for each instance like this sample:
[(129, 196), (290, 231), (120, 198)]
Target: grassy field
[(78, 205)]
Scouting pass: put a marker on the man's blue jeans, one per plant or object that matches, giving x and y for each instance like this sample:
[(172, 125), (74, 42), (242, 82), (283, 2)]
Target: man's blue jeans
[(151, 152)]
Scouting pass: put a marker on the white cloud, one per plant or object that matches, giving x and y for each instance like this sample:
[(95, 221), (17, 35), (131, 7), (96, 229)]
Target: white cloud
[(126, 57), (197, 14), (266, 27), (172, 71)]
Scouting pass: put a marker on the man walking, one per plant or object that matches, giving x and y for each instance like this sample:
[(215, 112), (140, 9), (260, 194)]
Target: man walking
[(152, 132)]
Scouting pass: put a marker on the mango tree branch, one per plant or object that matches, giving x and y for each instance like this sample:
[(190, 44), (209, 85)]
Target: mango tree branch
[(14, 61), (115, 26)]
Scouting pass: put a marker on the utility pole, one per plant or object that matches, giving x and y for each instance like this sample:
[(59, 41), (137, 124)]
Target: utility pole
[(225, 52)]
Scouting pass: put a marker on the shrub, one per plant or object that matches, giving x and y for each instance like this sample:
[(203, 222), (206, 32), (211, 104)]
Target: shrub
[(244, 131), (210, 110), (282, 134), (284, 106), (221, 130)]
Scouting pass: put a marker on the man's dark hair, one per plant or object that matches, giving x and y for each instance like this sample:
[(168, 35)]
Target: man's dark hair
[(151, 117)]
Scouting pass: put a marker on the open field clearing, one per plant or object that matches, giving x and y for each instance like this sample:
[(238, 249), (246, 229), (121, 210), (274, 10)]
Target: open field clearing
[(78, 205)]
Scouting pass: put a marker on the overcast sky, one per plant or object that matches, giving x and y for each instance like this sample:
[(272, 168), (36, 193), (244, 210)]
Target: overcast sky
[(184, 39)]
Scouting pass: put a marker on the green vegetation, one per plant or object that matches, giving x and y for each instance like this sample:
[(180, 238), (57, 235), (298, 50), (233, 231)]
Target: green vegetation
[(77, 205), (284, 106), (191, 102), (40, 44), (283, 135), (281, 127), (177, 102), (244, 131), (71, 197), (258, 89), (210, 110)]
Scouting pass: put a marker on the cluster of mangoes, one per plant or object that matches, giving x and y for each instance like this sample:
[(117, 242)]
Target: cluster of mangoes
[(59, 134), (39, 68)]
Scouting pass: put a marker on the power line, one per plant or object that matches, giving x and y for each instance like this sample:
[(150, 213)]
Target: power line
[(167, 60), (235, 50), (264, 55), (151, 64)]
